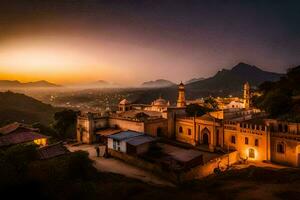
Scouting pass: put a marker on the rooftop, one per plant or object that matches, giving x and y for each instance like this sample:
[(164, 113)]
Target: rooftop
[(124, 102), (124, 135), (135, 141), (133, 114), (19, 137), (186, 155), (108, 131), (52, 151), (14, 126)]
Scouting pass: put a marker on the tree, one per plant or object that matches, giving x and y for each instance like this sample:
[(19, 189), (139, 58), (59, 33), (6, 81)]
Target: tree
[(65, 123), (196, 110), (280, 98), (211, 103), (46, 130), (276, 103)]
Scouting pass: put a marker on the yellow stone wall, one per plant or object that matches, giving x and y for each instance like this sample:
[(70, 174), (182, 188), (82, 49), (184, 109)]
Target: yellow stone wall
[(186, 124), (252, 132), (290, 155)]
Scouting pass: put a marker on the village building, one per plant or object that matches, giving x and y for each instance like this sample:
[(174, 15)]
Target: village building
[(130, 142), (18, 133), (90, 125), (236, 127), (52, 150), (159, 105)]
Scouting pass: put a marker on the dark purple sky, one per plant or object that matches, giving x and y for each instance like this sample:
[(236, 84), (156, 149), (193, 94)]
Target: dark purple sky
[(134, 41)]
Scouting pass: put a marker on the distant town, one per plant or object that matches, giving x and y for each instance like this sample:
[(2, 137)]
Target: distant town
[(150, 100)]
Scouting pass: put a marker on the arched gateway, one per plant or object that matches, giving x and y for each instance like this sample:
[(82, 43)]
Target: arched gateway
[(205, 136)]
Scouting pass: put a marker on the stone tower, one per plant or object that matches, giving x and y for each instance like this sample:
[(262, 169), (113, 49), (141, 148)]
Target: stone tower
[(246, 95), (181, 96)]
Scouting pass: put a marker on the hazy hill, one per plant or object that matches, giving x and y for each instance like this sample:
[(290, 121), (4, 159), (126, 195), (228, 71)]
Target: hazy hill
[(231, 81), (159, 83), (17, 84), (223, 83), (21, 108), (95, 85), (194, 80)]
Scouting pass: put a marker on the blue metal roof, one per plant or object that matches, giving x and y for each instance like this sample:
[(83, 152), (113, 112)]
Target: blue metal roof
[(124, 135), (135, 141)]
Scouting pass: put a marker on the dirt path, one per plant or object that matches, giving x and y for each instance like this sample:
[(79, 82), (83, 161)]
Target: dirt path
[(116, 166)]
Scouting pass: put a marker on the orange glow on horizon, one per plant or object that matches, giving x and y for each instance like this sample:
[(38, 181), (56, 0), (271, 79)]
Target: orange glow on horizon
[(58, 62), (74, 59)]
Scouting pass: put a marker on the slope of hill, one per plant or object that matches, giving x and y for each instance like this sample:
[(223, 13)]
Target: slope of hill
[(17, 84), (231, 81), (223, 83), (21, 108), (159, 83), (281, 99), (94, 85), (194, 80)]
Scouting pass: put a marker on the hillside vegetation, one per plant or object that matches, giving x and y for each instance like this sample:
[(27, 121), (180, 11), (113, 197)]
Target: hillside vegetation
[(231, 81), (223, 83), (21, 108), (281, 99)]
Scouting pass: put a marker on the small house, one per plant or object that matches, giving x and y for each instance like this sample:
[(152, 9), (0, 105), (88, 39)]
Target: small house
[(17, 133), (130, 142)]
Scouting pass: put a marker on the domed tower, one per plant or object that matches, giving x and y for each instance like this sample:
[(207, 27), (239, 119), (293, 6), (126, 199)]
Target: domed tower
[(181, 96), (124, 106), (247, 95)]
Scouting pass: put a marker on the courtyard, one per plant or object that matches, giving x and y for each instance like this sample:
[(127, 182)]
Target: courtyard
[(113, 165)]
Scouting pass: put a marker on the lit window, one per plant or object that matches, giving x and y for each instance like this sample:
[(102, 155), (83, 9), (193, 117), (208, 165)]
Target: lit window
[(251, 153), (233, 139), (256, 142)]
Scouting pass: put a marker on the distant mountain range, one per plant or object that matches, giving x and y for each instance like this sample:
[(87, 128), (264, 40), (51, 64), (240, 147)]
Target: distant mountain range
[(223, 83), (159, 83), (194, 80), (96, 84), (17, 84), (231, 81)]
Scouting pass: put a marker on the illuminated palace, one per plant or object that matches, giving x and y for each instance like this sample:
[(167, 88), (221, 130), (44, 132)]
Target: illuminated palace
[(235, 127)]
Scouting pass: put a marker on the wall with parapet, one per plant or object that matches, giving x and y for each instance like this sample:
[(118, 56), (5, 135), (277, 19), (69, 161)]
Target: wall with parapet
[(194, 173)]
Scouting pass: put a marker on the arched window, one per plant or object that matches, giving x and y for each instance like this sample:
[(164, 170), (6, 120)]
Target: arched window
[(246, 140), (280, 147), (180, 129)]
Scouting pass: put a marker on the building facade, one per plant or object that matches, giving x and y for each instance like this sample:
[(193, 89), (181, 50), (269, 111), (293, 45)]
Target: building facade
[(245, 130)]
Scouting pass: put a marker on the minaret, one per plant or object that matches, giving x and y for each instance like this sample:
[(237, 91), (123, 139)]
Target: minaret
[(181, 96), (246, 95)]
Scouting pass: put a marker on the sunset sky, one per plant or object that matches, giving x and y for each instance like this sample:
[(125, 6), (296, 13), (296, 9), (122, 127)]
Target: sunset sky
[(129, 42)]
